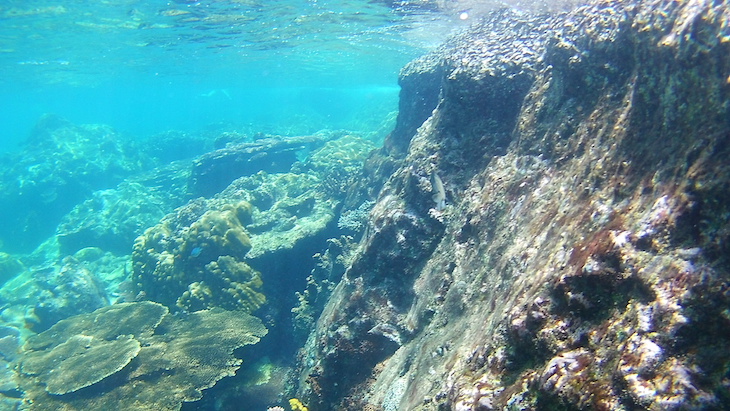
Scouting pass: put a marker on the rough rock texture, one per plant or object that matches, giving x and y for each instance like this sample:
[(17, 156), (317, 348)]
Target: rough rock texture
[(582, 258)]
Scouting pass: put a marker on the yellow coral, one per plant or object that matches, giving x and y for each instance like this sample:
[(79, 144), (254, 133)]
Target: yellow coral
[(297, 405)]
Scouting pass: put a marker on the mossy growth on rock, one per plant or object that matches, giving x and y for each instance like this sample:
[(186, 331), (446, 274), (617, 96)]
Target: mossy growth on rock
[(194, 263), (133, 356)]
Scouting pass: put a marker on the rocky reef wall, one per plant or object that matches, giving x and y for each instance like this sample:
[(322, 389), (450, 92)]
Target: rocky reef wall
[(581, 259)]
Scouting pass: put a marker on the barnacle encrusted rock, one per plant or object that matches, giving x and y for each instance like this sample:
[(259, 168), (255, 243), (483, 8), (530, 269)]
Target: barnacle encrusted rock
[(133, 356), (582, 260)]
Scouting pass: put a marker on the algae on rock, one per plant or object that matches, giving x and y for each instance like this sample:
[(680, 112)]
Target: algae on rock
[(583, 262)]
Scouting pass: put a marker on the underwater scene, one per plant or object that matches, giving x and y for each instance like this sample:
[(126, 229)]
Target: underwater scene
[(311, 205)]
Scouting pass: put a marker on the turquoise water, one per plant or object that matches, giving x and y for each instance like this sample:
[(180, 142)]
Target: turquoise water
[(104, 105), (287, 66), (144, 67)]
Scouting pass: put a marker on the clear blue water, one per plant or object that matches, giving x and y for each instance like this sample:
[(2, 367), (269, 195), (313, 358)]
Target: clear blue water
[(73, 199), (144, 67), (283, 66)]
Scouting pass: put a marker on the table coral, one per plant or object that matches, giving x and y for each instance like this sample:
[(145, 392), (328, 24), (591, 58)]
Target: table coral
[(132, 356), (79, 362)]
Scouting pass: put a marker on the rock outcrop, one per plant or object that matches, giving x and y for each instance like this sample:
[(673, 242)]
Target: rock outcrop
[(581, 260)]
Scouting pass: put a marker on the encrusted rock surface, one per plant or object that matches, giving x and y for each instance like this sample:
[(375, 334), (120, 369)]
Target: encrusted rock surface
[(581, 261)]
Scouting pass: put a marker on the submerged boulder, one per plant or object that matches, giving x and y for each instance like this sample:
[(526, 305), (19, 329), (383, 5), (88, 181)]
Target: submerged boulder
[(212, 172)]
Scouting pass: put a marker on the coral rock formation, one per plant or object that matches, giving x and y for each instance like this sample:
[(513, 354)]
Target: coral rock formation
[(59, 165), (581, 259), (199, 264)]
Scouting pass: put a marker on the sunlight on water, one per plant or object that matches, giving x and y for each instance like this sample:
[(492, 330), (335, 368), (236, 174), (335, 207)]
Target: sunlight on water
[(148, 66)]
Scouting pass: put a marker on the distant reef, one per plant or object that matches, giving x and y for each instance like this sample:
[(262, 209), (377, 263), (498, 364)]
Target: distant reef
[(581, 260)]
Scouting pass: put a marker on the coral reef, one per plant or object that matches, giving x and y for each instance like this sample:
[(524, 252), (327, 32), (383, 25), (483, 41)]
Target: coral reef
[(580, 261), (213, 171), (199, 264), (10, 266), (113, 218), (57, 168), (132, 356), (355, 221), (43, 294), (199, 256)]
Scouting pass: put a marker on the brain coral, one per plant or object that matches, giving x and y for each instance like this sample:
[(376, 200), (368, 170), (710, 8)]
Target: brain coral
[(193, 263)]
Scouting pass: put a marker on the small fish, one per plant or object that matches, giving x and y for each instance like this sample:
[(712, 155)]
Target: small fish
[(196, 251), (439, 194)]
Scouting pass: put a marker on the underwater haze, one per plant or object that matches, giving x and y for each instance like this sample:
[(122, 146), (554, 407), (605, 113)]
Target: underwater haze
[(144, 67)]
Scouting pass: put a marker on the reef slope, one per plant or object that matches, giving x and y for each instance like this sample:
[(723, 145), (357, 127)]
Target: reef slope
[(581, 260)]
